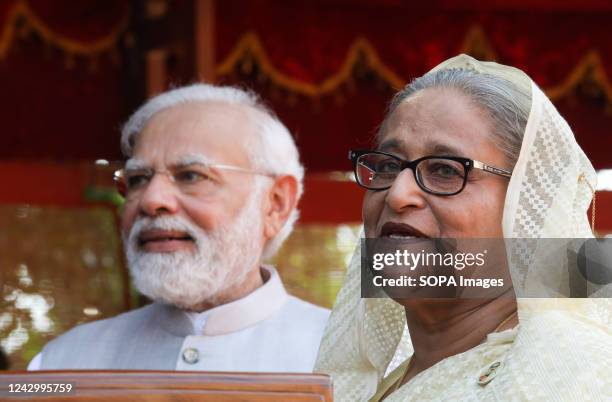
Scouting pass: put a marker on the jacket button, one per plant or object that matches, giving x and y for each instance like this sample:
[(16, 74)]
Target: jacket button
[(191, 356)]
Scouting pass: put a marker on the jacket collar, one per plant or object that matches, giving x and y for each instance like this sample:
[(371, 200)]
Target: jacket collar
[(239, 314)]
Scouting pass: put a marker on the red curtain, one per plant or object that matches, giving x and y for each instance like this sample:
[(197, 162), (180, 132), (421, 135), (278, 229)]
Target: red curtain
[(62, 88), (327, 67), (290, 51)]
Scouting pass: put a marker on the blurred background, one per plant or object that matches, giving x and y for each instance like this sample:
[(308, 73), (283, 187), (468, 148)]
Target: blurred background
[(72, 71)]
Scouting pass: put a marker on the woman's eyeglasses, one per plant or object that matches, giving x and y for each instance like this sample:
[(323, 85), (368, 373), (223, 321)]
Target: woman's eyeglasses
[(439, 175)]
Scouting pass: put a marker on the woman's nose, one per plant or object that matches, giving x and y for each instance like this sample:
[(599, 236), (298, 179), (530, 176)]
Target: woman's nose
[(405, 192)]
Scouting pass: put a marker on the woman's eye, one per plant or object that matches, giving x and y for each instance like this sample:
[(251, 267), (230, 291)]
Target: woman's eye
[(445, 170), (388, 165), (190, 176), (137, 181)]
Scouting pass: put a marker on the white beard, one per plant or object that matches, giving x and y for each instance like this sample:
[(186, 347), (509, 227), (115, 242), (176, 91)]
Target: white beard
[(222, 259)]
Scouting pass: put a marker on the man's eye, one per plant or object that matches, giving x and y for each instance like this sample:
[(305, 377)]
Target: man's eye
[(190, 176), (137, 181)]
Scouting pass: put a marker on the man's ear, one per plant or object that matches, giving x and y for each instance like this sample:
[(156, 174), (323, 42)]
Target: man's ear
[(282, 200)]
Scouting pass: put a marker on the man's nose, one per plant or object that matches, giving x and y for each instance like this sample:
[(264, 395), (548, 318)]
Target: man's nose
[(159, 197), (405, 193)]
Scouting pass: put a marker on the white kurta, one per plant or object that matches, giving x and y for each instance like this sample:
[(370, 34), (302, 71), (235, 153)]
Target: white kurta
[(266, 331)]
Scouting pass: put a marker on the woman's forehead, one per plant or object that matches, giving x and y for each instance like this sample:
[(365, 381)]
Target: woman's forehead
[(430, 146), (436, 122)]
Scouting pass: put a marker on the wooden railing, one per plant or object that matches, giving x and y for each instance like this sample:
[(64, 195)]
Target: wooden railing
[(165, 386)]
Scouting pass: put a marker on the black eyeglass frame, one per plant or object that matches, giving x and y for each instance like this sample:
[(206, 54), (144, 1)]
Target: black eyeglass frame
[(467, 163)]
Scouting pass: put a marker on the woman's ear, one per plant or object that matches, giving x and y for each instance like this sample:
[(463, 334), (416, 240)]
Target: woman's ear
[(281, 201)]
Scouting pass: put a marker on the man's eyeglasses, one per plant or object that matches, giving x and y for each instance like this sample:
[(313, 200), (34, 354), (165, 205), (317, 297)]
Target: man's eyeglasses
[(439, 175), (191, 179)]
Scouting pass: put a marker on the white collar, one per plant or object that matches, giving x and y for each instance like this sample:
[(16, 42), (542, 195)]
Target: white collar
[(257, 306)]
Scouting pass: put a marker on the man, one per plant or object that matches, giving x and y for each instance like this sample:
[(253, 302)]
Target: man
[(211, 186)]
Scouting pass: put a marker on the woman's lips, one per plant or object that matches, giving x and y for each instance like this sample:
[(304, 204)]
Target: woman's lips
[(398, 230)]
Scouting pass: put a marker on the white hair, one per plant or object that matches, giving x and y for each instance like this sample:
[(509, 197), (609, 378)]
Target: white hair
[(273, 150), (506, 103)]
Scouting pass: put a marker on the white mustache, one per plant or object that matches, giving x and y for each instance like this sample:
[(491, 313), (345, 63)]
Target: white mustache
[(165, 222)]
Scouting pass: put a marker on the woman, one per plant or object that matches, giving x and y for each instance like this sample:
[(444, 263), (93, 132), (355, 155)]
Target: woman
[(527, 178)]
